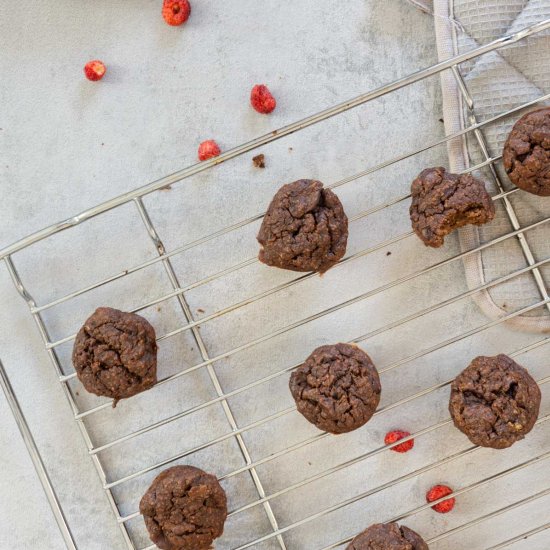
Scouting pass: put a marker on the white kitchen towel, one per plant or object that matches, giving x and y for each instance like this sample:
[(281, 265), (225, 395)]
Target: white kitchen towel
[(497, 82)]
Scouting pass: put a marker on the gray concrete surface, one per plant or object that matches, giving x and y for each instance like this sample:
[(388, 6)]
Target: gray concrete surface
[(67, 144)]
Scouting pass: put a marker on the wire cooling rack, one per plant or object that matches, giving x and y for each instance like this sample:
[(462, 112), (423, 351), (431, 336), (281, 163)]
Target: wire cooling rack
[(290, 486)]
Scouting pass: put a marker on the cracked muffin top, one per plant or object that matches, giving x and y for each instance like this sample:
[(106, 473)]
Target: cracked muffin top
[(184, 509), (304, 229), (337, 388), (387, 536), (115, 354), (526, 153), (443, 202), (494, 401)]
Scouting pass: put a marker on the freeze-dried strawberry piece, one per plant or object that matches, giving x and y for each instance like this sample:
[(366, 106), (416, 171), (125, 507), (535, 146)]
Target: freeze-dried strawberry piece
[(262, 100), (95, 70), (396, 435), (208, 149), (438, 491), (176, 12)]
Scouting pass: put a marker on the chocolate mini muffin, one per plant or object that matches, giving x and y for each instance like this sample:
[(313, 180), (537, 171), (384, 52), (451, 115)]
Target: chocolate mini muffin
[(304, 229), (337, 388), (115, 354), (184, 509), (526, 153), (443, 202), (387, 536), (494, 401)]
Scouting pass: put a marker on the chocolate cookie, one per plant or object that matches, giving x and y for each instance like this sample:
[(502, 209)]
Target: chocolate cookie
[(494, 401), (304, 229), (526, 153), (184, 509), (443, 202), (337, 388), (387, 536), (115, 354)]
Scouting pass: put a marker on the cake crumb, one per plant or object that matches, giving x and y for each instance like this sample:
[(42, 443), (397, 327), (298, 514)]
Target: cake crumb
[(259, 161)]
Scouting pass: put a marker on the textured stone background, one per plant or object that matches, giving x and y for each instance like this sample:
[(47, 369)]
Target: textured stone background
[(67, 144)]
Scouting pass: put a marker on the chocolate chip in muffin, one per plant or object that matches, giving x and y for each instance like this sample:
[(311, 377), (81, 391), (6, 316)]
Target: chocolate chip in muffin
[(443, 202), (184, 509), (115, 354), (494, 401), (304, 229), (337, 388), (387, 536), (526, 153)]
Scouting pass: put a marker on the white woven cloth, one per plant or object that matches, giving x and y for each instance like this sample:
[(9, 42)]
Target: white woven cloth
[(497, 82)]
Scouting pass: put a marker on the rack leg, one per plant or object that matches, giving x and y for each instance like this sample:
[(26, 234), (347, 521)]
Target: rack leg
[(36, 459)]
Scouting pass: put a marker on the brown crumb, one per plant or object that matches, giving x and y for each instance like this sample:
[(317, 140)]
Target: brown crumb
[(77, 393), (441, 120), (259, 161), (388, 253), (159, 308), (200, 310), (166, 187), (290, 149)]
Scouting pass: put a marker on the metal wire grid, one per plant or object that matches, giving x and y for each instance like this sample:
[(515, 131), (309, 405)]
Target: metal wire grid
[(179, 292)]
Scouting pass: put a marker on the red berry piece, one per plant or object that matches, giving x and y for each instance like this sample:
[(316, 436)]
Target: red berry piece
[(437, 492), (396, 435), (208, 149), (176, 12), (95, 70), (262, 100)]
